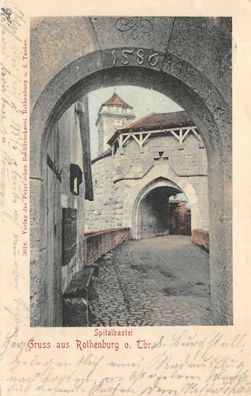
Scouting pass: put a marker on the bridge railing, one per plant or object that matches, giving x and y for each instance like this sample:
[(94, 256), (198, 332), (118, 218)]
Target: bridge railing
[(201, 238), (100, 242)]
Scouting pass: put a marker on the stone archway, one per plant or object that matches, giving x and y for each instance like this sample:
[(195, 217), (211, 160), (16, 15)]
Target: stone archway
[(160, 176), (137, 215), (140, 194), (167, 72)]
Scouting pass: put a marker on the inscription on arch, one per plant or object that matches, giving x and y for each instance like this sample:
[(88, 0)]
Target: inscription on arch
[(135, 56)]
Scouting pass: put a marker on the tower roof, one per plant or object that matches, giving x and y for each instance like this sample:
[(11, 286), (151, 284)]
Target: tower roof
[(116, 100)]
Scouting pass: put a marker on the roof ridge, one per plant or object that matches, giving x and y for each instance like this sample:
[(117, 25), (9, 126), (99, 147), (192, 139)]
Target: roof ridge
[(161, 113), (115, 99)]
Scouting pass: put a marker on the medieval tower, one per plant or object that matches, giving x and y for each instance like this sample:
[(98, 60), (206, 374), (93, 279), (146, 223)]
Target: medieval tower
[(113, 115)]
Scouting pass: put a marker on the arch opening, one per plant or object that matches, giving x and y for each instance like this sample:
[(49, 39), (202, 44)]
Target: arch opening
[(155, 217), (161, 208), (58, 279), (50, 107)]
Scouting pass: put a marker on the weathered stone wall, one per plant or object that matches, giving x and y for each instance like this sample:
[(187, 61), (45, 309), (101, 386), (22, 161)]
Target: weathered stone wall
[(106, 129), (105, 211), (116, 177), (71, 151), (64, 147), (186, 160)]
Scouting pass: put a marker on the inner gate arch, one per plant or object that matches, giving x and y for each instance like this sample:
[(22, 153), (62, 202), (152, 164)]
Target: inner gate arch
[(157, 183)]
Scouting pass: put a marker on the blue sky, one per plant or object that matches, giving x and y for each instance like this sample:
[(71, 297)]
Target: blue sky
[(144, 101)]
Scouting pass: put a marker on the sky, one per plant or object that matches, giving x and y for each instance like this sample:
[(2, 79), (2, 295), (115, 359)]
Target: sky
[(144, 101)]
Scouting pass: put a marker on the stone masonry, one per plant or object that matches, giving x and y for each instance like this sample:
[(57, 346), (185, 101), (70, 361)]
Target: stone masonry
[(185, 58), (121, 174)]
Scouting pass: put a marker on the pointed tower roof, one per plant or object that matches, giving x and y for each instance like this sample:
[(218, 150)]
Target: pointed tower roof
[(116, 100)]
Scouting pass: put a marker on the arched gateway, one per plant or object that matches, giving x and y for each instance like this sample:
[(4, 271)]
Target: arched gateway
[(158, 150), (173, 58), (165, 189)]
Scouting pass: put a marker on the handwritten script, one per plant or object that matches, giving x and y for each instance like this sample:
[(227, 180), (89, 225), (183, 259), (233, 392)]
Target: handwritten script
[(183, 363), (14, 184)]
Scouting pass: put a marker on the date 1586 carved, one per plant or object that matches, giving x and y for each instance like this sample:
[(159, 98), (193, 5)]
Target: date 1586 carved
[(126, 56)]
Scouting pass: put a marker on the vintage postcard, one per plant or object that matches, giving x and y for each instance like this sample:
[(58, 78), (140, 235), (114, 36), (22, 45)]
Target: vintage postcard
[(124, 219)]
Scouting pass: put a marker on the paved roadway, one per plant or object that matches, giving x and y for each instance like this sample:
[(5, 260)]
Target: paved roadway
[(157, 281)]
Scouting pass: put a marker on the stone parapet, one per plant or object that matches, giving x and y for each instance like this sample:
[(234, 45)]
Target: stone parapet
[(98, 243), (201, 238)]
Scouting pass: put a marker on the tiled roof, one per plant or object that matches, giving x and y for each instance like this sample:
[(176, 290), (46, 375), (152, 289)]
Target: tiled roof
[(160, 120), (155, 121), (117, 101)]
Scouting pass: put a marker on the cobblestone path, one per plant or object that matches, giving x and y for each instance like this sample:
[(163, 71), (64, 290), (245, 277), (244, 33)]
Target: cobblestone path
[(157, 281)]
